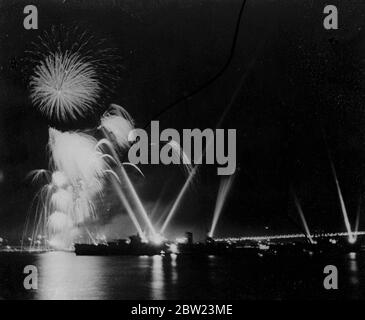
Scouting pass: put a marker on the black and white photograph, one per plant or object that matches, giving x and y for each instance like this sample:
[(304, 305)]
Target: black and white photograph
[(182, 150)]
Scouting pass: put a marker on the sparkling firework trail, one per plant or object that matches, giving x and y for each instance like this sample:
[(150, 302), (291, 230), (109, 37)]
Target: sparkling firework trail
[(38, 174), (119, 123)]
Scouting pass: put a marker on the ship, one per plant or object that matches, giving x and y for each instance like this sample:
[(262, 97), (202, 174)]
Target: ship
[(134, 246)]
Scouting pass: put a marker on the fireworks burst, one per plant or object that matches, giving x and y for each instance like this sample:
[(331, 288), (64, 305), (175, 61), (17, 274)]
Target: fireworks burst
[(64, 86), (59, 179), (59, 221), (69, 81), (72, 72), (75, 154)]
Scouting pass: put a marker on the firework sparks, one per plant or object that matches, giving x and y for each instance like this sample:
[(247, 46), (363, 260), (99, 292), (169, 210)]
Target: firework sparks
[(38, 174), (59, 222), (59, 179), (119, 123), (62, 200), (72, 74), (75, 154), (64, 86)]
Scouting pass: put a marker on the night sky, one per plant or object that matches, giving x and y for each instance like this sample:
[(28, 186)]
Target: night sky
[(302, 83)]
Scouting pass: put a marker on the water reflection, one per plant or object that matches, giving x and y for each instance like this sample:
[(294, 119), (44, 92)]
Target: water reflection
[(164, 276), (353, 269), (157, 282), (173, 268), (65, 276)]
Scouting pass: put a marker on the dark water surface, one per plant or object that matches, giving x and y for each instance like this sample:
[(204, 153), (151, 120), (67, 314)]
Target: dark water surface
[(66, 276)]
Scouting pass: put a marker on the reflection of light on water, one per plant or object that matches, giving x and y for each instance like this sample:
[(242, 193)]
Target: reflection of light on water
[(163, 274), (173, 268), (157, 282), (173, 260), (354, 270), (64, 276)]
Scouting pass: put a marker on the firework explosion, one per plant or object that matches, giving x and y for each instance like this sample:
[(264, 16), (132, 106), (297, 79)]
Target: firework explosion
[(64, 86), (75, 154), (72, 73), (78, 170)]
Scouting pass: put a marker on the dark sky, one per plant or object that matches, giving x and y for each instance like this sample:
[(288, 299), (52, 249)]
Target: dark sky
[(300, 81)]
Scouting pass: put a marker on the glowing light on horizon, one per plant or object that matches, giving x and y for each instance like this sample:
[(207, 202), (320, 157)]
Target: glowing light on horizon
[(158, 239), (181, 240), (173, 248), (288, 236)]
